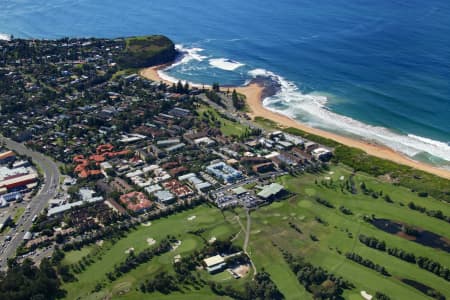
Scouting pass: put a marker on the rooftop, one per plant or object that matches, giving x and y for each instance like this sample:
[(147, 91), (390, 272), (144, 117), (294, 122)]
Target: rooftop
[(270, 190), (213, 260)]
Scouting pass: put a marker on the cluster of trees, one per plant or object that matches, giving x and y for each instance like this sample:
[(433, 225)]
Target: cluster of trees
[(81, 265), (180, 88), (433, 267), (349, 186), (112, 232), (410, 230), (320, 220), (345, 210), (438, 214), (324, 202), (261, 288), (134, 260), (162, 282), (367, 263), (184, 268), (388, 199), (372, 242), (295, 227), (381, 296), (403, 255), (423, 262), (368, 191), (216, 87), (214, 97), (319, 282), (238, 101), (26, 281)]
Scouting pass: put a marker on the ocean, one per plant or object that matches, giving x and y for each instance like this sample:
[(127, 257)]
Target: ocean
[(376, 70)]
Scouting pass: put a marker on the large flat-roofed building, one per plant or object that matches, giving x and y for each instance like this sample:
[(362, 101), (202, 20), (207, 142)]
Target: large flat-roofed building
[(224, 172), (7, 157), (14, 196), (270, 191), (19, 181), (87, 197), (214, 264), (322, 154), (165, 197)]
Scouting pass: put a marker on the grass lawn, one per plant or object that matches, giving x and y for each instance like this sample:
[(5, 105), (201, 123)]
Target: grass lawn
[(212, 220), (18, 214), (227, 127), (270, 229), (303, 209)]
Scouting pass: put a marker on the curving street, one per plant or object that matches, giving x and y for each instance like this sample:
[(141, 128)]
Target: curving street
[(48, 190)]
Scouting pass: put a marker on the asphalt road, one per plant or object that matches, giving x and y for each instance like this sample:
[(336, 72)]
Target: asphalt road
[(48, 190)]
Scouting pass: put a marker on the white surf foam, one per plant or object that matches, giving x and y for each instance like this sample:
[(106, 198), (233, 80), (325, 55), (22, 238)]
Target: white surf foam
[(5, 37), (313, 108), (165, 76), (225, 64), (187, 55)]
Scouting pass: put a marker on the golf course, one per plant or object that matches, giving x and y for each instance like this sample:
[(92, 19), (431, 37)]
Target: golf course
[(321, 222)]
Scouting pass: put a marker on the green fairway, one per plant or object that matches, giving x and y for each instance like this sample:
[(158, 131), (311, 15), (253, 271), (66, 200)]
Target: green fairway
[(271, 231), (302, 210), (210, 219)]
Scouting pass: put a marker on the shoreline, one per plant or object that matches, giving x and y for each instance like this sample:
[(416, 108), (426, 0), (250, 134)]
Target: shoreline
[(253, 93)]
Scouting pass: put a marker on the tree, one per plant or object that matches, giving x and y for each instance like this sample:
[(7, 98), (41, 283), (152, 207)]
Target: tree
[(216, 87), (238, 102)]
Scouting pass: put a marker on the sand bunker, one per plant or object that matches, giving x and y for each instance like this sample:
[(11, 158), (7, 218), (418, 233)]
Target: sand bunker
[(366, 296), (191, 218), (176, 245), (151, 241), (147, 224), (129, 250)]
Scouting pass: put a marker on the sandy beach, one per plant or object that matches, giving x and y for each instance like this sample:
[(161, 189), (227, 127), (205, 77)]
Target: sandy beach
[(253, 93)]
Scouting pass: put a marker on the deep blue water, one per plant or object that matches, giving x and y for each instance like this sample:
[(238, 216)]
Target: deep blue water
[(384, 66)]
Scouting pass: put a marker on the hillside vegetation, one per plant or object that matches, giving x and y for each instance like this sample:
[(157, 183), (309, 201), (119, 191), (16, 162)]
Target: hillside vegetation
[(146, 51)]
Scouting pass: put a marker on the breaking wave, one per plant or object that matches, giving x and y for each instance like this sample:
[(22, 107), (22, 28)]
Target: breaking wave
[(187, 55), (312, 108), (292, 102), (225, 64), (5, 37)]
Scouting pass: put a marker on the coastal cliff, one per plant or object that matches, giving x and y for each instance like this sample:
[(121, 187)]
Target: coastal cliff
[(147, 51)]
